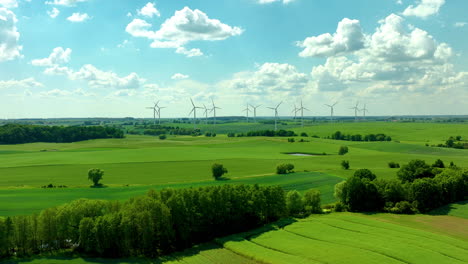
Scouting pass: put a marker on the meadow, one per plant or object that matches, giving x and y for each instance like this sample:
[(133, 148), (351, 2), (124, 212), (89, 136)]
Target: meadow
[(136, 164)]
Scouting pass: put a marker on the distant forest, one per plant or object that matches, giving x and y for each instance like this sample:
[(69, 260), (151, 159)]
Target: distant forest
[(18, 134)]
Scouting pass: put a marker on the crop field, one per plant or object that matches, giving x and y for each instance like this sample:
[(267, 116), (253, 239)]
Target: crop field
[(137, 163), (332, 238)]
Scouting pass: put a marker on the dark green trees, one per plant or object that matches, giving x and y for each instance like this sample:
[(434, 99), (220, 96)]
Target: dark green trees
[(343, 150), (284, 168), (415, 169), (218, 170), (95, 175)]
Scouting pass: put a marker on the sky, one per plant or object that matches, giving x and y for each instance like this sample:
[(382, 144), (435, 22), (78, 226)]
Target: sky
[(114, 58)]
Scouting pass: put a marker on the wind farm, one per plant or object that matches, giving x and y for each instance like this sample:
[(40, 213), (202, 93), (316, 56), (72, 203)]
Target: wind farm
[(229, 132)]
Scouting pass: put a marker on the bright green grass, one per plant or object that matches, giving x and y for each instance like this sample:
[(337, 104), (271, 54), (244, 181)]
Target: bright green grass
[(459, 209), (350, 238), (32, 200)]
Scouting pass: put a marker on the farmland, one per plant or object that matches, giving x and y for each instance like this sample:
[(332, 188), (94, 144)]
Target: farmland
[(137, 163)]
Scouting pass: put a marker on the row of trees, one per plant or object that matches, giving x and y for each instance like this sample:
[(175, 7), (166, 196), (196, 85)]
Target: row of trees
[(416, 190), (151, 225), (454, 142), (358, 137), (265, 133), (170, 131), (18, 134)]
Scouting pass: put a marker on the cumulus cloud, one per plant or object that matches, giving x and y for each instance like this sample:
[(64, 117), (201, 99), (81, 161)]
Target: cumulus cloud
[(23, 84), (97, 78), (65, 93), (396, 58), (78, 17), (185, 26), (9, 36), (65, 2), (149, 10), (274, 80), (424, 9), (179, 76), (53, 13), (347, 38), (9, 3), (460, 24), (58, 56)]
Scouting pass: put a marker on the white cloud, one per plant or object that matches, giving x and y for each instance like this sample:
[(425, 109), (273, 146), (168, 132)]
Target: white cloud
[(179, 76), (9, 36), (273, 1), (149, 10), (9, 3), (460, 24), (397, 59), (97, 78), (185, 26), (424, 9), (347, 38), (23, 84), (78, 17), (272, 80), (58, 56), (53, 13), (65, 2), (65, 93)]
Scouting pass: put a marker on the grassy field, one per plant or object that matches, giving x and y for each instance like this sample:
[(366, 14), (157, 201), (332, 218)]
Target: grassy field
[(456, 209), (332, 238), (137, 163)]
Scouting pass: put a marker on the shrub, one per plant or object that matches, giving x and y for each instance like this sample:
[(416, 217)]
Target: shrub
[(343, 150), (345, 164), (218, 170), (291, 140), (213, 134), (393, 165), (95, 175), (438, 164), (284, 168), (208, 134), (162, 137), (339, 207), (231, 134), (403, 207), (304, 134)]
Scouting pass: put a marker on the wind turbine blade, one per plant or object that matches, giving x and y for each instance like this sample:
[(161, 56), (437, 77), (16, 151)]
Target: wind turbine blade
[(192, 102), (279, 104), (328, 105), (193, 109)]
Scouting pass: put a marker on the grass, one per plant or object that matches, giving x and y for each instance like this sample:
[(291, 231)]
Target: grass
[(137, 163), (459, 209)]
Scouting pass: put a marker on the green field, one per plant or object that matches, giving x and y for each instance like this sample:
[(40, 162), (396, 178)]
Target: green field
[(138, 163), (332, 238)]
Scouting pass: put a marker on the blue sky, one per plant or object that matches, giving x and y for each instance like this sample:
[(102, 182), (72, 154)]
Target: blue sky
[(79, 58)]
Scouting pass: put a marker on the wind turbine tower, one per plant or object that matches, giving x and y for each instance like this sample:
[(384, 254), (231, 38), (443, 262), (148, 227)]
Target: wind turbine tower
[(276, 114), (332, 108), (302, 108), (194, 110), (356, 110), (364, 110), (214, 111), (295, 110), (247, 110), (255, 111), (155, 110), (205, 113)]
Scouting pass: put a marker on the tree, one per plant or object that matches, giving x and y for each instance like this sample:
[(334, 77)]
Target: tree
[(361, 195), (365, 173), (415, 169), (284, 168), (95, 175), (294, 203), (312, 203), (218, 170), (438, 164), (345, 164), (343, 150)]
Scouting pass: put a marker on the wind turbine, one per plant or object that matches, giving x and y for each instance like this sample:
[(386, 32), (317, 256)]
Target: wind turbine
[(155, 110), (206, 113), (159, 113), (247, 109), (332, 108), (302, 108), (364, 110), (276, 113), (214, 111), (194, 110), (356, 109), (255, 111), (295, 110)]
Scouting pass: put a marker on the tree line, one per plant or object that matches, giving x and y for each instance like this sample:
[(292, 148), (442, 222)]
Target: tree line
[(155, 224), (419, 188), (358, 137), (19, 134), (265, 133)]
